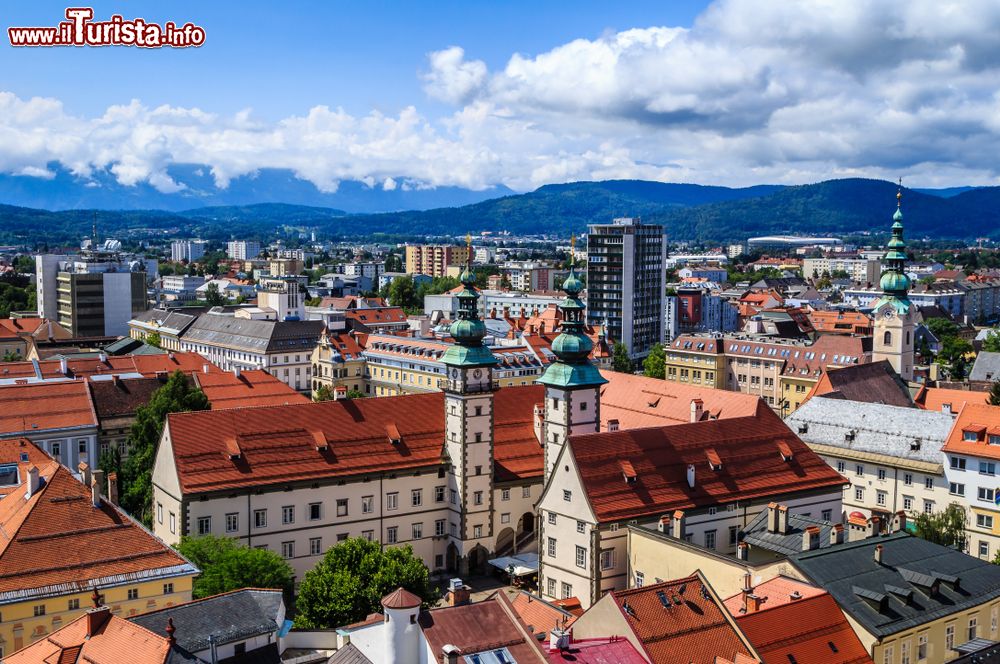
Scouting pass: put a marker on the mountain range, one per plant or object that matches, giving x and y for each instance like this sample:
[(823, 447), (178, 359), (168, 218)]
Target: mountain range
[(688, 212)]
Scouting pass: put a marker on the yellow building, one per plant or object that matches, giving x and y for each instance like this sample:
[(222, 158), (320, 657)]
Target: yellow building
[(339, 366), (795, 390), (434, 259), (63, 540), (696, 361)]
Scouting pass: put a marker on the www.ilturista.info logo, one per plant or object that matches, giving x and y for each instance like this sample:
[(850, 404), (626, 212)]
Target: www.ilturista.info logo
[(81, 30)]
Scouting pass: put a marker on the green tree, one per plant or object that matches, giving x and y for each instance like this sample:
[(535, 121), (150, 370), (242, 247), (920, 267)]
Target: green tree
[(946, 528), (393, 263), (324, 393), (213, 296), (620, 360), (942, 327), (153, 339), (226, 565), (654, 365), (403, 293), (994, 397), (991, 343), (953, 356), (351, 579), (354, 394), (175, 396)]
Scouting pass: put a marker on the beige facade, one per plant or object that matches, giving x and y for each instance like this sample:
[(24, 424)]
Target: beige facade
[(932, 642), (434, 259), (863, 270)]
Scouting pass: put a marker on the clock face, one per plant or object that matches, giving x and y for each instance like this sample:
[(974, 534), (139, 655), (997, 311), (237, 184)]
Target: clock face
[(887, 313), (454, 373), (477, 373)]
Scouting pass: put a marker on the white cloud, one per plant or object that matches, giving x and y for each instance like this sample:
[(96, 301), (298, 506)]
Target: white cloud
[(752, 92)]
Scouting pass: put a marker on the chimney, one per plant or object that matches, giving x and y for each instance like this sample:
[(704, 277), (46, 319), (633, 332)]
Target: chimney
[(690, 475), (697, 409), (31, 484), (664, 524), (753, 602), (742, 551), (678, 523), (810, 538), (878, 554), (96, 487), (782, 519), (450, 654), (946, 408), (63, 366), (236, 371), (116, 379), (170, 632), (458, 593), (113, 488), (96, 618), (772, 517), (204, 368), (837, 534), (559, 639), (874, 526), (84, 470), (103, 357)]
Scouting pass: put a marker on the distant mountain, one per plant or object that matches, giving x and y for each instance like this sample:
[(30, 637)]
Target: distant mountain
[(65, 191)]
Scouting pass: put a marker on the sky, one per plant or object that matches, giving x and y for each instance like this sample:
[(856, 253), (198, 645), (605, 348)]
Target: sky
[(477, 94)]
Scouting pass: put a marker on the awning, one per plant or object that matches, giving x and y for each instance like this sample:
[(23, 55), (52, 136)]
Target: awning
[(520, 565)]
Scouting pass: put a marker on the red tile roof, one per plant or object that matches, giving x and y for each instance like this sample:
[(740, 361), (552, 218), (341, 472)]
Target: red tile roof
[(57, 537), (379, 316), (748, 447), (45, 406), (981, 419), (774, 592), (278, 443), (112, 640), (692, 628), (11, 328), (254, 387), (147, 365), (120, 398), (934, 398), (841, 322), (540, 616), (401, 598), (611, 650), (811, 629), (638, 401)]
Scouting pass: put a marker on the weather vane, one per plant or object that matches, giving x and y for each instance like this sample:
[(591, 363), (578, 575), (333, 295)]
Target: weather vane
[(572, 249), (899, 193)]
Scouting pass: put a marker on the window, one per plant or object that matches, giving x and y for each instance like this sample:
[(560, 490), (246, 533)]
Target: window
[(232, 522), (859, 493), (973, 627), (581, 527), (826, 515), (159, 512), (391, 501), (907, 503), (39, 609), (733, 535), (453, 496), (168, 589), (526, 492), (984, 521), (505, 517), (987, 468), (173, 522), (391, 534), (288, 514), (417, 497), (418, 530), (439, 528), (567, 495), (639, 579), (928, 507), (880, 497), (74, 604), (607, 559), (709, 539), (567, 590), (881, 473), (552, 547), (315, 546), (986, 494), (928, 483), (921, 647), (907, 479), (477, 531), (904, 646), (368, 534), (984, 550), (581, 557), (957, 463), (316, 511), (288, 549), (859, 470), (260, 518), (949, 637), (204, 525), (133, 593), (993, 618), (552, 518), (367, 504), (551, 585), (887, 655), (439, 494), (841, 466), (956, 489), (505, 494), (81, 446), (477, 497), (55, 450)]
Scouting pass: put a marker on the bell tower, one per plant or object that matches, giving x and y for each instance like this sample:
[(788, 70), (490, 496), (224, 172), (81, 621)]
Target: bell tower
[(572, 383), (895, 317), (468, 402)]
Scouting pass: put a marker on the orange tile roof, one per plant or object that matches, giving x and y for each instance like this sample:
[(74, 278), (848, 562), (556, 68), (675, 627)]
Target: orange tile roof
[(812, 629), (841, 322), (774, 592), (254, 387), (639, 401), (672, 626), (57, 538), (111, 640), (748, 448), (45, 406), (934, 398), (540, 616), (278, 443), (17, 327), (984, 420), (147, 365)]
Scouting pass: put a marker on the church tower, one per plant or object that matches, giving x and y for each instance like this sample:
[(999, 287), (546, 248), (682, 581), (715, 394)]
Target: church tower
[(468, 402), (572, 383), (894, 314)]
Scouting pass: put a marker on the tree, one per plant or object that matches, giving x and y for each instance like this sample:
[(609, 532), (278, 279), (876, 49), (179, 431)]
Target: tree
[(952, 356), (654, 365), (991, 343), (942, 327), (403, 293), (352, 578), (153, 339), (324, 393), (226, 565), (620, 360), (946, 528), (175, 396), (393, 263), (354, 394), (213, 296), (994, 398)]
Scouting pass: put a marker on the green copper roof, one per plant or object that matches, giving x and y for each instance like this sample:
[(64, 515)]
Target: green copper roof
[(572, 347), (468, 356), (559, 374), (900, 304), (467, 329)]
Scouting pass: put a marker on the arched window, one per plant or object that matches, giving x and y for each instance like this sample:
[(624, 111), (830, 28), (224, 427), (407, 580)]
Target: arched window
[(887, 338), (907, 337)]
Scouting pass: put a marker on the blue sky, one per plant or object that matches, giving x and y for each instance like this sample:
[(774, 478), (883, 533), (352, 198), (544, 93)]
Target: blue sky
[(476, 94)]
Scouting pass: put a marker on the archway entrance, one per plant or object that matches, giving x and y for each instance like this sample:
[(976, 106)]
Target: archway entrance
[(477, 560), (526, 524), (505, 542), (451, 558)]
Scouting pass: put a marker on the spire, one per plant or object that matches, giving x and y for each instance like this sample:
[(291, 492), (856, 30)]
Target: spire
[(572, 347), (468, 330), (894, 282)]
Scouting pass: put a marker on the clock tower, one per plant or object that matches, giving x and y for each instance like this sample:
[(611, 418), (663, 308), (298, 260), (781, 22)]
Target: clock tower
[(894, 314), (572, 383), (468, 403)]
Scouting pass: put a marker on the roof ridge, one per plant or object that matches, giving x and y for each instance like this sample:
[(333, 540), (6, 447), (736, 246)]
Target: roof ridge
[(28, 504), (203, 599)]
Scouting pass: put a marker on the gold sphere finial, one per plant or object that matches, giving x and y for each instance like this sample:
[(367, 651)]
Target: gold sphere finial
[(899, 193)]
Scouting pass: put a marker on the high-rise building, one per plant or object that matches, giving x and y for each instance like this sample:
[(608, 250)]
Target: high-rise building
[(187, 250), (434, 259), (625, 282), (242, 249)]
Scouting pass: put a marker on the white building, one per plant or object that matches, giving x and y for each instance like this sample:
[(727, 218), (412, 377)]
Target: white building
[(187, 250), (242, 249)]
